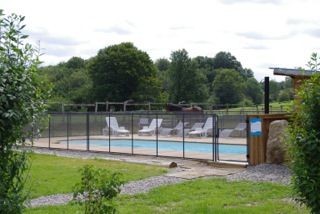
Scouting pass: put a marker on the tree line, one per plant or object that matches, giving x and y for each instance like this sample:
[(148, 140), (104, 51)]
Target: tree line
[(122, 72)]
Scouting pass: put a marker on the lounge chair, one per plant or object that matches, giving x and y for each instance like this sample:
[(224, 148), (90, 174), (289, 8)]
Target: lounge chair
[(114, 127), (173, 131), (151, 129), (178, 129), (204, 130)]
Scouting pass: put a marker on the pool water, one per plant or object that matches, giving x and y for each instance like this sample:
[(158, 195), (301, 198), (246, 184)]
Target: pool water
[(163, 145)]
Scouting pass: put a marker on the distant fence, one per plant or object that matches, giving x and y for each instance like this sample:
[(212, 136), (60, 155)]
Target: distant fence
[(184, 135), (160, 107)]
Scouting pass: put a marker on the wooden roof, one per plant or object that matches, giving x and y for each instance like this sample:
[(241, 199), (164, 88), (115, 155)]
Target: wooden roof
[(293, 72)]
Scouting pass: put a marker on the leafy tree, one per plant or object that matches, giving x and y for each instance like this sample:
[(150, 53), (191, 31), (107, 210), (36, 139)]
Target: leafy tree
[(162, 64), (226, 60), (70, 81), (228, 86), (305, 144), (314, 63), (22, 95), (122, 72), (253, 91), (205, 66), (274, 89), (98, 188), (75, 63), (186, 84)]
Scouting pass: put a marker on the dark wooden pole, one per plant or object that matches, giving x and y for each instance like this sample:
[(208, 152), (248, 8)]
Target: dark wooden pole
[(266, 95)]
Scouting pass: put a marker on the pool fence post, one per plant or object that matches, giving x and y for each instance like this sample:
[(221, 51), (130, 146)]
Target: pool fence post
[(217, 137), (132, 133), (109, 134), (88, 131), (213, 140), (157, 132), (49, 132), (183, 146), (68, 124)]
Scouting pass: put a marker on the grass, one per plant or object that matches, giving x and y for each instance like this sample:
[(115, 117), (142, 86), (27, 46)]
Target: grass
[(201, 196), (51, 174)]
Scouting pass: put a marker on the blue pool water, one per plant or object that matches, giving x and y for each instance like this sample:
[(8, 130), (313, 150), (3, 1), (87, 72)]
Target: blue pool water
[(163, 145)]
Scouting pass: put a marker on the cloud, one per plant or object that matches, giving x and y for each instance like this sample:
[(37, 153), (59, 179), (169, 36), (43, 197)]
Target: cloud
[(114, 29), (58, 51), (200, 42), (251, 1), (259, 36), (44, 37), (179, 27), (256, 47), (313, 32)]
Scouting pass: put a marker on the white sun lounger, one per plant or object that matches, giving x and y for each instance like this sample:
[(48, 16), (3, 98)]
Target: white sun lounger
[(151, 129), (204, 130), (114, 127)]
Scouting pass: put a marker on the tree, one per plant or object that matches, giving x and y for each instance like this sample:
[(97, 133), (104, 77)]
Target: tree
[(226, 60), (70, 81), (314, 63), (253, 91), (186, 84), (162, 64), (205, 65), (22, 95), (227, 87), (305, 144), (122, 72), (274, 89)]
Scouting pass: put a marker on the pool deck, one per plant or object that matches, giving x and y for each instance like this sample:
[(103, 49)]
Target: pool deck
[(55, 144)]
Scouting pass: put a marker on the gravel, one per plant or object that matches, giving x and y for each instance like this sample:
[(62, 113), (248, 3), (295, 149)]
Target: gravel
[(57, 199), (143, 186), (131, 188), (264, 172)]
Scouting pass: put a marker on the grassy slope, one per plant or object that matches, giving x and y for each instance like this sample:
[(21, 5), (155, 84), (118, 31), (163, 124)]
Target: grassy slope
[(202, 196), (52, 174)]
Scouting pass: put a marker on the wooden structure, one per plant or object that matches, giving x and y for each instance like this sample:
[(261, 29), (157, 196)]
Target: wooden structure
[(297, 75), (257, 142)]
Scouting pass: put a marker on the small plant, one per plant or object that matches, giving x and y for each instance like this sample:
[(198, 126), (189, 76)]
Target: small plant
[(305, 144), (97, 190)]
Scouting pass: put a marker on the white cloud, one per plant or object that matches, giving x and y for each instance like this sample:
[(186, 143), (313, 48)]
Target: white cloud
[(260, 33)]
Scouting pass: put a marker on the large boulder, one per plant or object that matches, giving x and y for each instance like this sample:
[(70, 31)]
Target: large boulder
[(276, 142)]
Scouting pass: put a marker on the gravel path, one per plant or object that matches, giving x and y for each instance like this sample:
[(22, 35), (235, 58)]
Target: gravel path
[(131, 188), (264, 172), (145, 185)]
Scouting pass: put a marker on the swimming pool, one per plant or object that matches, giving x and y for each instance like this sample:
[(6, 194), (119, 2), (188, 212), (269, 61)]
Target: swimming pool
[(162, 145)]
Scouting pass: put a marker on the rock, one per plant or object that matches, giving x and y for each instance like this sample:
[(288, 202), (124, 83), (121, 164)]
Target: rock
[(276, 140), (173, 165)]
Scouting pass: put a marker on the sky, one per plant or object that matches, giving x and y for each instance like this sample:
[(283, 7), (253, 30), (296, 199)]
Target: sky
[(259, 33)]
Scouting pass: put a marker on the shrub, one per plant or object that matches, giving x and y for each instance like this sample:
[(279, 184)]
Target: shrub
[(97, 190), (305, 144), (21, 102)]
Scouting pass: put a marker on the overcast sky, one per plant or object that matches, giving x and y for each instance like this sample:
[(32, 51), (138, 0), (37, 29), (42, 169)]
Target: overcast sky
[(259, 33)]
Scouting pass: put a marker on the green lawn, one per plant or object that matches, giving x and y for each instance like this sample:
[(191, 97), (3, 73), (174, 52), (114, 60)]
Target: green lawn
[(202, 196), (51, 174)]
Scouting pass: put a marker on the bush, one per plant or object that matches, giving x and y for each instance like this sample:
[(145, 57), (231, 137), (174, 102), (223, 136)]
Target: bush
[(97, 189), (305, 144), (21, 102)]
